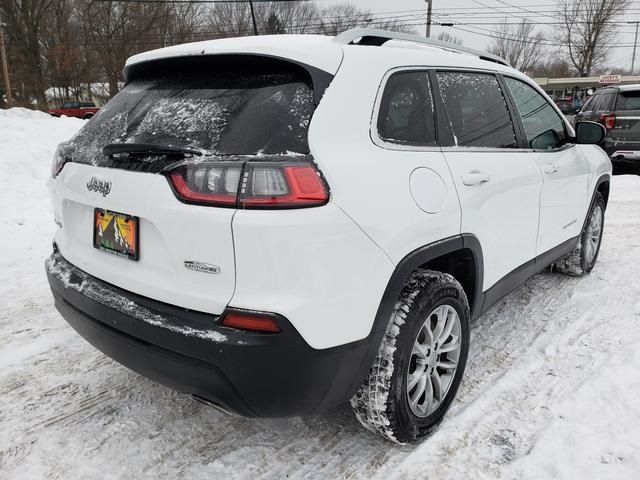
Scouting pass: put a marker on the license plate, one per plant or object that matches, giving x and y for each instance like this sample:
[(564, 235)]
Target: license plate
[(116, 233)]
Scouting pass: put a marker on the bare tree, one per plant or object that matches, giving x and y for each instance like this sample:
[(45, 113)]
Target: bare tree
[(518, 43), (179, 22), (449, 38), (231, 19), (70, 48), (338, 18), (587, 30), (117, 30), (553, 65), (24, 21)]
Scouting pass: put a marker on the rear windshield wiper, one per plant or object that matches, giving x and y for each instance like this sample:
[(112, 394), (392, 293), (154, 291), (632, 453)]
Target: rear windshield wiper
[(147, 148)]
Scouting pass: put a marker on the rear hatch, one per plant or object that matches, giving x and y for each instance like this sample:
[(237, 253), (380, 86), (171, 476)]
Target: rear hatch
[(203, 118), (626, 130)]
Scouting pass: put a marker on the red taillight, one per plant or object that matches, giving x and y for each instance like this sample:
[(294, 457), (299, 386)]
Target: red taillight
[(250, 322), (609, 121), (191, 193), (289, 186), (251, 185)]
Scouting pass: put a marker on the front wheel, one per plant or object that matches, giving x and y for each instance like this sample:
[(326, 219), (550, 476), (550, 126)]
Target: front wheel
[(583, 258), (420, 362)]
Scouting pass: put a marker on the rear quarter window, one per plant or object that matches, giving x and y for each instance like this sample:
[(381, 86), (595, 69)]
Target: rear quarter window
[(406, 110), (628, 100)]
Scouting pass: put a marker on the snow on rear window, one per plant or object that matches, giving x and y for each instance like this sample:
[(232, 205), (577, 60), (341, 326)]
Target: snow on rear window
[(189, 117), (220, 113)]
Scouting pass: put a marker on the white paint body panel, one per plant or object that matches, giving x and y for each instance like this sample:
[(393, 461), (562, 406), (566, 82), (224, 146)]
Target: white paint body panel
[(565, 196), (429, 190), (316, 50), (171, 232), (315, 267), (371, 182), (503, 212)]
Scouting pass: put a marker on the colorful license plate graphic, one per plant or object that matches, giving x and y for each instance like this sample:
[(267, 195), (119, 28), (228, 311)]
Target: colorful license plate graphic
[(116, 233)]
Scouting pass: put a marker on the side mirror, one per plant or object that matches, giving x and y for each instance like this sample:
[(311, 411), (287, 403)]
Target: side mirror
[(590, 133)]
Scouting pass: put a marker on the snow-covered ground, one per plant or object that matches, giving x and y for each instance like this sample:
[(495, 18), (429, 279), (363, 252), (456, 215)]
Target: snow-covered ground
[(551, 388)]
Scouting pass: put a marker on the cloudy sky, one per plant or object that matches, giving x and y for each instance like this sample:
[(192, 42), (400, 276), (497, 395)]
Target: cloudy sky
[(484, 14)]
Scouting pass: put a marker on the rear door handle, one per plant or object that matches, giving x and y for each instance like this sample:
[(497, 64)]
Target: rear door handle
[(475, 178), (550, 169)]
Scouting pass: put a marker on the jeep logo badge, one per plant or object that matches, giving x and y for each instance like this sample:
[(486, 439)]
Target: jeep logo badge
[(100, 186), (201, 267)]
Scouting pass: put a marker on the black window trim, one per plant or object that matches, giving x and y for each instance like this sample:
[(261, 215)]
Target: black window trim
[(523, 142), (444, 134)]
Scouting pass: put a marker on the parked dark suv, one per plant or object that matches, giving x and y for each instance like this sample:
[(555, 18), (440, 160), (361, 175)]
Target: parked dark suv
[(618, 109)]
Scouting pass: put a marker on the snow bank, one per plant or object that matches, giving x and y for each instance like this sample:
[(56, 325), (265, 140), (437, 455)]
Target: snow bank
[(28, 139)]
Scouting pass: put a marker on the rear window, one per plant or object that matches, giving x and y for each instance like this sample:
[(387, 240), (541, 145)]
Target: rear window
[(224, 106), (628, 101)]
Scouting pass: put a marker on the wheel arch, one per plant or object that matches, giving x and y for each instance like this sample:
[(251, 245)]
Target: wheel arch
[(465, 248), (603, 185), (460, 256)]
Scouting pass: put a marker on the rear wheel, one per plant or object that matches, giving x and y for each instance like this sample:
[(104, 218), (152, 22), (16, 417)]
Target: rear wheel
[(421, 360), (583, 258)]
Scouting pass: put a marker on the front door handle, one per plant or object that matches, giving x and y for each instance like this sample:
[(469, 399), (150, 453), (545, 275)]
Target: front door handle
[(550, 169), (475, 178)]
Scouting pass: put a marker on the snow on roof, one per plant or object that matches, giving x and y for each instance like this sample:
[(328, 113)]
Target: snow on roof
[(316, 50)]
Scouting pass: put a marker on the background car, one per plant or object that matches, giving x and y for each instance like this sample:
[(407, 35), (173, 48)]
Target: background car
[(75, 109), (618, 109)]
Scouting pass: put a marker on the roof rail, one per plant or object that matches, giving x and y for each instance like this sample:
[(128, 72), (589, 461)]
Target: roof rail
[(375, 37)]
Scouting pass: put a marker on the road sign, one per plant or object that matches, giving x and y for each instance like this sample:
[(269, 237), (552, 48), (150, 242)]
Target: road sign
[(609, 79)]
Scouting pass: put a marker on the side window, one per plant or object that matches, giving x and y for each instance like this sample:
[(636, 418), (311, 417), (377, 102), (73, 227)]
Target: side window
[(543, 126), (406, 110), (588, 105), (628, 100), (477, 110), (66, 105), (597, 102), (604, 102)]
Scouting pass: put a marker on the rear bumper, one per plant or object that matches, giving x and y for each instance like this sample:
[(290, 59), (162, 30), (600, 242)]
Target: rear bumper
[(266, 375), (625, 155), (622, 151)]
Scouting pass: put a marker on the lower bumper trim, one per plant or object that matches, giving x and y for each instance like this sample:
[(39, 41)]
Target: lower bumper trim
[(265, 375)]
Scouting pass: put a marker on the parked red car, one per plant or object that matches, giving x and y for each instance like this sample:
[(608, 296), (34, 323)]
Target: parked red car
[(75, 109)]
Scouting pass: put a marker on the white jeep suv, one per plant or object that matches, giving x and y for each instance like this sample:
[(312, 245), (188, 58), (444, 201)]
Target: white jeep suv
[(277, 225)]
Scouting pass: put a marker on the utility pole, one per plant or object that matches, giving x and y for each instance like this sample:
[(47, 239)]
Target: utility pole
[(635, 44), (5, 68), (253, 17), (429, 5)]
